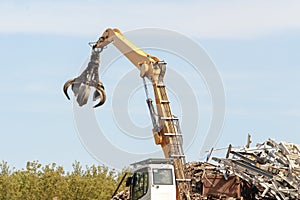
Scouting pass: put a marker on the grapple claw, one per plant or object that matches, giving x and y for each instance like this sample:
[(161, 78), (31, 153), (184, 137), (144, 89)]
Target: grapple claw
[(81, 86), (67, 85)]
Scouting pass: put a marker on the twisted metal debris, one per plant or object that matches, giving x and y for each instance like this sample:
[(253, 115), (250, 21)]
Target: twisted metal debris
[(272, 168), (123, 195), (207, 182)]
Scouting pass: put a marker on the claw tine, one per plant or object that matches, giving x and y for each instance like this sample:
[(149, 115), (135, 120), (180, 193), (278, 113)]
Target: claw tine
[(96, 95), (66, 86), (83, 94), (75, 88), (101, 94)]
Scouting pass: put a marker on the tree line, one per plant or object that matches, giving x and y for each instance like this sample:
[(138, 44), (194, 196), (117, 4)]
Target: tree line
[(54, 183)]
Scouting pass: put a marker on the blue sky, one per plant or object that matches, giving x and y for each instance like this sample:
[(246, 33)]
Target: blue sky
[(255, 46)]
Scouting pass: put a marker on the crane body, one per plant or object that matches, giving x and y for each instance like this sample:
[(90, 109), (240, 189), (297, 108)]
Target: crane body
[(166, 128), (153, 179)]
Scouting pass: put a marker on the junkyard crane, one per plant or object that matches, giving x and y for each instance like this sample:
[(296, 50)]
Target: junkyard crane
[(166, 129)]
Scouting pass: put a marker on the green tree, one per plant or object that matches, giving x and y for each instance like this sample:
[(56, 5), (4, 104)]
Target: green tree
[(52, 182)]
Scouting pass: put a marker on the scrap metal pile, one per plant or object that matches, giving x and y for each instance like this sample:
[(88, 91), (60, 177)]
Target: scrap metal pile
[(207, 182), (123, 195), (272, 169)]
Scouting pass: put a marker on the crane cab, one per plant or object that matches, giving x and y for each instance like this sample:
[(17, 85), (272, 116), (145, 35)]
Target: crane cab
[(152, 179)]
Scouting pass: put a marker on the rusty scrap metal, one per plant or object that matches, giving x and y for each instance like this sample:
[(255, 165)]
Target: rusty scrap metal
[(272, 168), (208, 182), (123, 195)]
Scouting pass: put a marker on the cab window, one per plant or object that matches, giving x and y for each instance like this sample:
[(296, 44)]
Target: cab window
[(162, 177), (140, 184)]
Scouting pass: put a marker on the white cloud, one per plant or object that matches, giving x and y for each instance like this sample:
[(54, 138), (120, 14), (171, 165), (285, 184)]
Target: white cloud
[(238, 19)]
